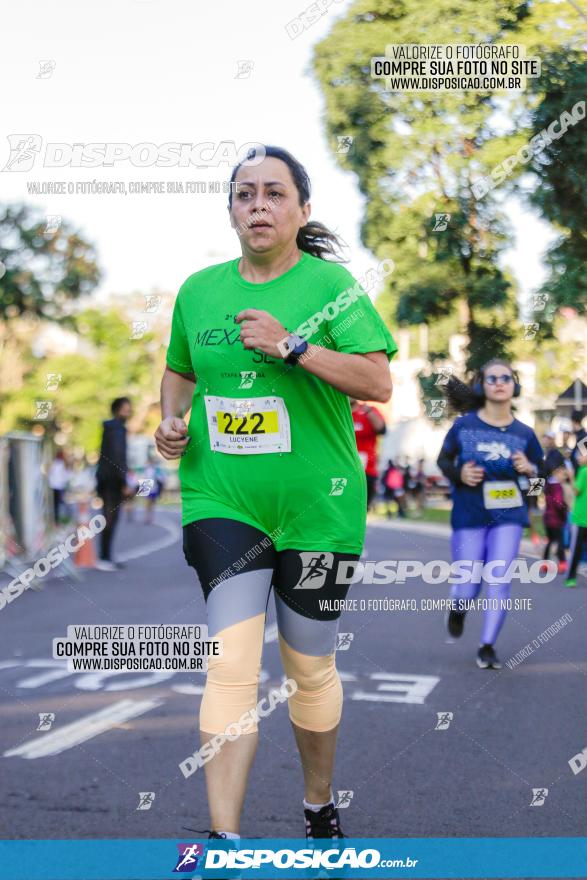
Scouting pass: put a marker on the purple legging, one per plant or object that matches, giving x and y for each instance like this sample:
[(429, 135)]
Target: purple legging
[(487, 544)]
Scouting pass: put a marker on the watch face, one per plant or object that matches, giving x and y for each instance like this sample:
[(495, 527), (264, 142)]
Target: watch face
[(296, 344)]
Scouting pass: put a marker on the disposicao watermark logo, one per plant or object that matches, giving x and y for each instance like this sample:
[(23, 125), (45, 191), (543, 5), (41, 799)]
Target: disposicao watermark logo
[(536, 145), (439, 571), (54, 557), (245, 724), (341, 303), (188, 858), (26, 148)]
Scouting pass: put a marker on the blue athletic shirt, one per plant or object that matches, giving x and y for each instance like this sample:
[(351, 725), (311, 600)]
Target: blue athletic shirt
[(472, 439)]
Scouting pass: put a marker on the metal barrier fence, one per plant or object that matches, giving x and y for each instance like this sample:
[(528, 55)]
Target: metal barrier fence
[(25, 511)]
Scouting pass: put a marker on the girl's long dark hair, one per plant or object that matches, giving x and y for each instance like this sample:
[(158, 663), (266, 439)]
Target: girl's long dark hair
[(465, 397), (313, 238)]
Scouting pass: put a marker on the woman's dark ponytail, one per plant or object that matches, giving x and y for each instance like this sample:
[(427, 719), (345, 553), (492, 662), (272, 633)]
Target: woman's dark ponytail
[(462, 397), (314, 238)]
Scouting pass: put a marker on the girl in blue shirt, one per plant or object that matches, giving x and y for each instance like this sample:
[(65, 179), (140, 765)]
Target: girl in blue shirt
[(486, 455)]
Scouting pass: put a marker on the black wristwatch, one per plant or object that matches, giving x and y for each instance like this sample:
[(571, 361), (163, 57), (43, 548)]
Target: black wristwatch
[(296, 346)]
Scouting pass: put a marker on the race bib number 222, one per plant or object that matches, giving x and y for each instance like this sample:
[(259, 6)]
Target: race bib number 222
[(248, 426)]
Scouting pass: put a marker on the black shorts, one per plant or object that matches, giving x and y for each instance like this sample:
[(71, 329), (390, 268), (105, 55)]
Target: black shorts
[(219, 549)]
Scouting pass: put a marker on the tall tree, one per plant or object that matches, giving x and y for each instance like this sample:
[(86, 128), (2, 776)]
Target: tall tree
[(416, 156), (45, 271), (561, 193)]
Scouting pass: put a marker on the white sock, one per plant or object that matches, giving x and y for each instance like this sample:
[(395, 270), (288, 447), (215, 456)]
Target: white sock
[(317, 807), (229, 835)]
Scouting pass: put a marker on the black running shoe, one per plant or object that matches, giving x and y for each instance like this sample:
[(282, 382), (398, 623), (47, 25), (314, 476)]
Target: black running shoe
[(487, 658), (324, 823), (455, 621)]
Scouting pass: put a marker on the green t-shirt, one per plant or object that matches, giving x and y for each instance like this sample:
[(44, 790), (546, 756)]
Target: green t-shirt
[(579, 514), (314, 496)]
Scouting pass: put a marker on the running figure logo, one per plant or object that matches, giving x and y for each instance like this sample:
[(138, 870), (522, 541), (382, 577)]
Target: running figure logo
[(146, 799), (444, 719), (247, 378), (314, 570), (344, 799), (343, 641), (46, 68), (53, 224), (138, 329), (152, 302), (46, 719), (437, 407), (338, 484), (539, 795), (443, 376), (189, 854), (441, 222), (536, 485), (345, 143), (145, 488), (244, 68), (23, 150), (42, 409), (539, 301), (53, 381)]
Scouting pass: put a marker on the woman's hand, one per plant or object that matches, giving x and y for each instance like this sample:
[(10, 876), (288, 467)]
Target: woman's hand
[(471, 474), (261, 330), (170, 437), (522, 465)]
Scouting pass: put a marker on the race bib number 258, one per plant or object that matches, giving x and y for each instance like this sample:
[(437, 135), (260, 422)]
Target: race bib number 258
[(501, 495)]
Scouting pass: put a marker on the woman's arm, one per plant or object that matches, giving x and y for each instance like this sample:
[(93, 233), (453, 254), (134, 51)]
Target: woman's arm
[(364, 376), (446, 458), (176, 393), (176, 398)]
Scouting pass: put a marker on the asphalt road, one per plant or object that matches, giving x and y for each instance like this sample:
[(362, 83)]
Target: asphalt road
[(511, 731)]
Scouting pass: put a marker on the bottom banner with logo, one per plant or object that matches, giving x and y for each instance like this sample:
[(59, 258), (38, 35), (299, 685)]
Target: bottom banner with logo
[(282, 857)]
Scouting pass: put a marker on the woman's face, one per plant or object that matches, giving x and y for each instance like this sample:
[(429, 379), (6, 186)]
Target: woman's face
[(503, 388), (266, 211)]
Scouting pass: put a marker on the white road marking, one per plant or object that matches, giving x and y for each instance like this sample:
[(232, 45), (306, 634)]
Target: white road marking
[(94, 681), (388, 687), (408, 688), (35, 681), (83, 729), (192, 690)]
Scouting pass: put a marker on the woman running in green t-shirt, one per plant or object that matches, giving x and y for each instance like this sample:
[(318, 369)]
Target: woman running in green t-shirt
[(265, 350)]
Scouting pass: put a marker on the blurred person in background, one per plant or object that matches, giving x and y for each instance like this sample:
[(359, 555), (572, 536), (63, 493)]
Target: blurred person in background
[(555, 515), (579, 520), (155, 475), (132, 484), (580, 434), (58, 476), (553, 457), (369, 425), (419, 490), (111, 476), (567, 445), (393, 489), (484, 455)]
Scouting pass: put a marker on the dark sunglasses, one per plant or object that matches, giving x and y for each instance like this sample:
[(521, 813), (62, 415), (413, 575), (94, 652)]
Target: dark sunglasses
[(493, 380)]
